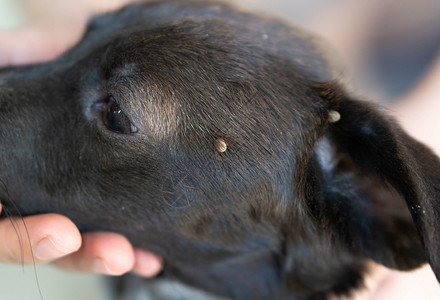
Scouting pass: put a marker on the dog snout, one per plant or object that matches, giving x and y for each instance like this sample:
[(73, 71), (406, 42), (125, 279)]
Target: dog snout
[(6, 95)]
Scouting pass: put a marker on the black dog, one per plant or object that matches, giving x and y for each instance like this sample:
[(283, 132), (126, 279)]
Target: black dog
[(222, 141)]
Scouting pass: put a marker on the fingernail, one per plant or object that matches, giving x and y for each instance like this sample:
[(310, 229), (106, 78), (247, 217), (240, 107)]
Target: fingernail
[(100, 266), (48, 250)]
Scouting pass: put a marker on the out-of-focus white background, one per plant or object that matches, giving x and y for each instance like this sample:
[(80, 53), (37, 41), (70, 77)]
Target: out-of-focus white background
[(385, 47)]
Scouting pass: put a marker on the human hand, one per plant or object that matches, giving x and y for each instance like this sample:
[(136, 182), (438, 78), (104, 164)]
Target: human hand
[(54, 238), (52, 27)]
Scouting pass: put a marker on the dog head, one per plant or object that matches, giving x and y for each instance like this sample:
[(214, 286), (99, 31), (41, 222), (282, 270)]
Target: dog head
[(223, 142)]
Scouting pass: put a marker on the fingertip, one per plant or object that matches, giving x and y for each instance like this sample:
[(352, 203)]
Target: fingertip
[(147, 264), (103, 253), (112, 253), (38, 238), (59, 231)]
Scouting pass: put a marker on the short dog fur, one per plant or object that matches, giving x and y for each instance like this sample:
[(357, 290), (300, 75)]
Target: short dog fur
[(202, 133)]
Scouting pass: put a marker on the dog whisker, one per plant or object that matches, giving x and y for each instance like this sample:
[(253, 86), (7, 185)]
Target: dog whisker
[(14, 223), (178, 197)]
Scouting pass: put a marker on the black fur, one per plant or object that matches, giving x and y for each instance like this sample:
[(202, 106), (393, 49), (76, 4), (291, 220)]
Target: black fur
[(295, 206)]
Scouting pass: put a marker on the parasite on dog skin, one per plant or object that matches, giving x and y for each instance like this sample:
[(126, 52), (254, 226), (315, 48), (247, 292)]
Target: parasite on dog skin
[(220, 145), (136, 114), (333, 116)]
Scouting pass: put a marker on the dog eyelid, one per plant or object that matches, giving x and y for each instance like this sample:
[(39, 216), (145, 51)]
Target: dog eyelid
[(115, 119)]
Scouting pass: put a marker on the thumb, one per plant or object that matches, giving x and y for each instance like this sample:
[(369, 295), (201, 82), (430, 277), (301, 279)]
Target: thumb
[(33, 45), (37, 238)]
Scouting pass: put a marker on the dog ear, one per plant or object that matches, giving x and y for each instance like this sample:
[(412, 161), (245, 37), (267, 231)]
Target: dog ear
[(379, 177)]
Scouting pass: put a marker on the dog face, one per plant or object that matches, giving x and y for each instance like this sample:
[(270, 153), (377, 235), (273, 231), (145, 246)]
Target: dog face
[(207, 135)]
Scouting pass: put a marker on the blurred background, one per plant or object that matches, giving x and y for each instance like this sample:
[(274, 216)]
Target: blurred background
[(387, 48)]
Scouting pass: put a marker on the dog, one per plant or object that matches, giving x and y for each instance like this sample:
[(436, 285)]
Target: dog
[(224, 142)]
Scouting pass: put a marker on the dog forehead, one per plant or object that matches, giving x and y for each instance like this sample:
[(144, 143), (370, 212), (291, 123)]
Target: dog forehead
[(214, 70), (175, 20)]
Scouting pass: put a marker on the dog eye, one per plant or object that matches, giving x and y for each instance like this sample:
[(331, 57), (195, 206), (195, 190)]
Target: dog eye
[(115, 119)]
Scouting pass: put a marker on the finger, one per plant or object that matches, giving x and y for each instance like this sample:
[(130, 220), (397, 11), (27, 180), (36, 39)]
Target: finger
[(147, 264), (101, 252), (37, 239), (30, 45)]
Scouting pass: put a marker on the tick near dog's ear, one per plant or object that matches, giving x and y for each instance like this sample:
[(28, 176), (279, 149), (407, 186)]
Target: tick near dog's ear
[(378, 188)]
